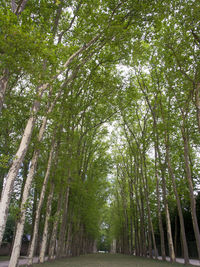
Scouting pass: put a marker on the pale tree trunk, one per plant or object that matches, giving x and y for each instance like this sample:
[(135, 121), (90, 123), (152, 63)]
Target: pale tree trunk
[(14, 169), (3, 86), (55, 227), (167, 215), (17, 9), (156, 148), (138, 215), (27, 187), (151, 235), (39, 207), (121, 183), (142, 224), (197, 104), (20, 227), (46, 226), (191, 191), (25, 141), (62, 233), (178, 202), (17, 161), (131, 213), (169, 234), (69, 240), (162, 239), (146, 193), (176, 235), (137, 247), (126, 225)]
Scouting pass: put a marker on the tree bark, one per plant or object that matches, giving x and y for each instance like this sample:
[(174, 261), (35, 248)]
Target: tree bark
[(190, 183), (46, 226), (39, 207), (20, 227), (142, 224), (55, 228), (14, 169), (197, 104), (3, 86), (162, 239), (61, 251), (167, 215), (131, 205), (18, 9), (178, 202), (150, 224), (69, 240)]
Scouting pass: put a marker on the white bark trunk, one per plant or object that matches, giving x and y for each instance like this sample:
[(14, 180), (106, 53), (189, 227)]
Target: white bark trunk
[(68, 243), (55, 228), (3, 86), (169, 235), (53, 238), (60, 250), (17, 244), (13, 6), (20, 227), (8, 188), (38, 211), (46, 226), (17, 161)]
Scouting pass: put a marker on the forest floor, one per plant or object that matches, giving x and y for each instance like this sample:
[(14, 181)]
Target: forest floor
[(104, 260)]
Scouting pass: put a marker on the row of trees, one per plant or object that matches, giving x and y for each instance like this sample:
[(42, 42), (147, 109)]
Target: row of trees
[(157, 155), (57, 88), (59, 83)]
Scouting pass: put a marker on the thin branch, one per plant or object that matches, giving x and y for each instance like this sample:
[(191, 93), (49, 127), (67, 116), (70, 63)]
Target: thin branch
[(71, 23)]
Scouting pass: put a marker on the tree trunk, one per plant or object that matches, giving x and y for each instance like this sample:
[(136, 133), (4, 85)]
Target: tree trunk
[(46, 226), (197, 104), (190, 183), (142, 224), (178, 202), (62, 233), (162, 239), (17, 161), (39, 207), (55, 227), (169, 234), (126, 225), (8, 188), (20, 228), (168, 221), (131, 205), (3, 86), (150, 224), (69, 240), (18, 9), (175, 234)]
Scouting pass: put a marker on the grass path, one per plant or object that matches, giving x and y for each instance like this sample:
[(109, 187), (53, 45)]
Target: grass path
[(108, 260)]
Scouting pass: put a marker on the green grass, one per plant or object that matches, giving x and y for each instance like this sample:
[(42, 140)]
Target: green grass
[(4, 258), (108, 260)]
